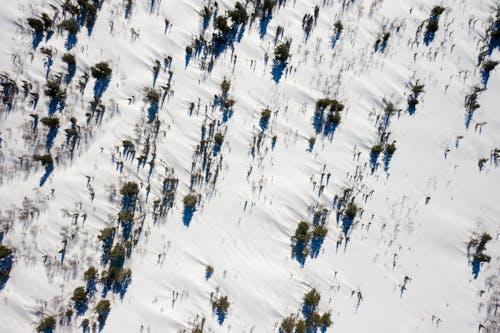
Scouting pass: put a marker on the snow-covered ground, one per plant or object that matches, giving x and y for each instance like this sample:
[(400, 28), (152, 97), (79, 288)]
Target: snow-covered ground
[(404, 265)]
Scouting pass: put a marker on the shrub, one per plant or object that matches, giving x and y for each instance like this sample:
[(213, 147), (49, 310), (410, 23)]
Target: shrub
[(47, 324), (69, 59), (209, 270), (312, 298), (351, 211), (101, 71), (36, 25), (190, 201), (45, 159), (69, 25), (282, 52), (50, 122), (129, 189), (189, 50)]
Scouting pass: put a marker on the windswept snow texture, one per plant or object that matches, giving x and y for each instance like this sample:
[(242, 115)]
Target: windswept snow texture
[(404, 181)]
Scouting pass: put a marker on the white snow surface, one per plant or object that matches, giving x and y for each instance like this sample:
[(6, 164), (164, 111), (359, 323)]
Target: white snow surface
[(397, 234)]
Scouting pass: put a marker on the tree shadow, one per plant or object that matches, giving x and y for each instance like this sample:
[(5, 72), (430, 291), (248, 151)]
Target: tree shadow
[(70, 41), (347, 223), (152, 111), (187, 215), (37, 39), (100, 86), (277, 70), (48, 170)]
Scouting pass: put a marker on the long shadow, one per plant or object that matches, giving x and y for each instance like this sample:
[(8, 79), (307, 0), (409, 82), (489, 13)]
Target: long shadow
[(100, 86), (5, 268), (51, 135), (316, 243), (70, 41), (476, 267), (277, 70), (48, 170), (429, 37), (187, 215), (298, 251), (263, 23), (152, 112), (81, 307), (221, 316), (37, 39), (71, 73), (330, 128), (347, 223), (373, 162), (387, 160), (334, 40)]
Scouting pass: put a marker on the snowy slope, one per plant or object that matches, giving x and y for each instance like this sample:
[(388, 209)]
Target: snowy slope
[(244, 222)]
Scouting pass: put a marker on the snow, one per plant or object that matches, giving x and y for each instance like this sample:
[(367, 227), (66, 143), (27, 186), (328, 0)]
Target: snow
[(244, 232)]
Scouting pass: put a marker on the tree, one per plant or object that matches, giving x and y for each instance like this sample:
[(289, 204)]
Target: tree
[(129, 189), (218, 138), (46, 325), (79, 295), (312, 298), (282, 52), (351, 211), (190, 201), (238, 15), (287, 325), (302, 232), (222, 304), (69, 59), (45, 159), (101, 71), (36, 24)]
